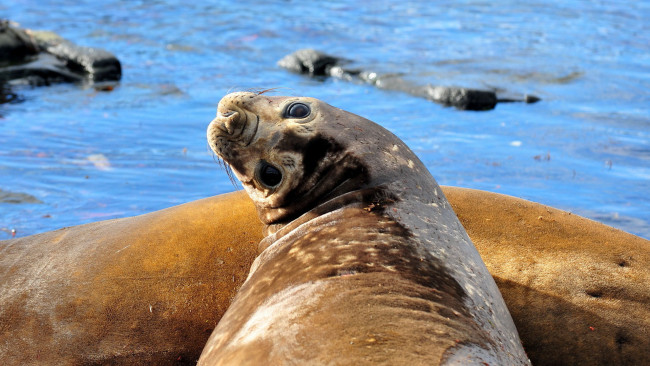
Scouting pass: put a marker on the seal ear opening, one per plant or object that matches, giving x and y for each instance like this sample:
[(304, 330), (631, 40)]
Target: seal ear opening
[(267, 175)]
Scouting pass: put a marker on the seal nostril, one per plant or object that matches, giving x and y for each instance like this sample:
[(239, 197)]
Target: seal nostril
[(229, 121), (595, 293)]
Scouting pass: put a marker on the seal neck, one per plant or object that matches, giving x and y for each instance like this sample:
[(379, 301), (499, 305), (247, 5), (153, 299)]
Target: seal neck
[(370, 199)]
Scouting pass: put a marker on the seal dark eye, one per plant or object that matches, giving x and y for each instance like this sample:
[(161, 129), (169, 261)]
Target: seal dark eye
[(268, 175), (297, 110)]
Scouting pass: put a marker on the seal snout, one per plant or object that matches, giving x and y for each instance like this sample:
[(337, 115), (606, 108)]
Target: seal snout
[(228, 122), (233, 128)]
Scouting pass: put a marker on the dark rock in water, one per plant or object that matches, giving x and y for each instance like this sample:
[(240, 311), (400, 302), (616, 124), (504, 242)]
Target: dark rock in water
[(527, 98), (344, 73), (462, 98), (309, 61), (318, 64), (41, 58), (17, 198), (92, 63), (15, 44), (42, 71), (531, 98)]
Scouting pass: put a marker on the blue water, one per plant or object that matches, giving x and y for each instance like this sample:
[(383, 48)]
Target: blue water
[(90, 155)]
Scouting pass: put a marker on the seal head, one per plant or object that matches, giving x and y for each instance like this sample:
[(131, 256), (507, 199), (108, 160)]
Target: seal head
[(287, 158)]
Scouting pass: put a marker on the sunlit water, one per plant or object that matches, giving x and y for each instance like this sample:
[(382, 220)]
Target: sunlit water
[(585, 148)]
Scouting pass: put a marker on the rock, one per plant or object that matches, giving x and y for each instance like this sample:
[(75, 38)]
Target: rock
[(15, 44), (309, 61), (41, 58), (17, 198), (526, 98), (93, 63), (344, 73), (462, 98), (318, 64), (44, 70)]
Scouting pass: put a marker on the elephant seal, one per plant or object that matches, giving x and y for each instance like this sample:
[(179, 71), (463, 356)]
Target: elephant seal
[(144, 290), (364, 261), (198, 254), (578, 290)]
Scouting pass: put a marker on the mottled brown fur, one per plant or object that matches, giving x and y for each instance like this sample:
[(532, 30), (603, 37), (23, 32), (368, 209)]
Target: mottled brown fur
[(360, 243)]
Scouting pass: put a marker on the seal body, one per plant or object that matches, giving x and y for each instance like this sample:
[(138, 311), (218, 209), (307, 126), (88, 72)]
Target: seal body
[(144, 290), (198, 254), (364, 260)]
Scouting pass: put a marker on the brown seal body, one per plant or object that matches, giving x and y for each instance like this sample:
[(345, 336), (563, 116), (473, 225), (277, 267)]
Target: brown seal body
[(364, 259), (145, 290), (577, 289)]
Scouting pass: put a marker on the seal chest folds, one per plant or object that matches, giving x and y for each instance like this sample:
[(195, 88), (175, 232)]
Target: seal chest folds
[(364, 261)]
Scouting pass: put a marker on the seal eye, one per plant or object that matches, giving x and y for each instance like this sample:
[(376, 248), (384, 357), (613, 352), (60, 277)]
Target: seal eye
[(268, 175), (297, 110)]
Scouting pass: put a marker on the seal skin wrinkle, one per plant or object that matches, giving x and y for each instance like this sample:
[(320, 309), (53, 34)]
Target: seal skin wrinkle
[(364, 261)]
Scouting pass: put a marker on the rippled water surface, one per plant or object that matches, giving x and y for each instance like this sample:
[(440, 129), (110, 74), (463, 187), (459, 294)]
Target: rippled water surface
[(87, 155)]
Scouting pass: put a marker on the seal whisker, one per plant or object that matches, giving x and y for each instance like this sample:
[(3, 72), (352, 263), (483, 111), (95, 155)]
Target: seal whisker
[(223, 165), (267, 90), (229, 173)]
